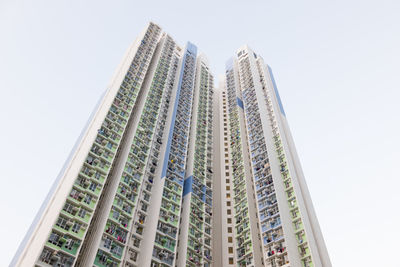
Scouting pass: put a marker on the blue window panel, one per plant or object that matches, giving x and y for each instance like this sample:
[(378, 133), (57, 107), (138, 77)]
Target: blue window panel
[(187, 185), (191, 50), (276, 92), (229, 64), (239, 102)]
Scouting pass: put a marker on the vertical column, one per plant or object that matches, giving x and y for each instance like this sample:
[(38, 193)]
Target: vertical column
[(143, 231), (173, 171), (246, 233), (78, 218), (132, 194), (224, 179), (274, 248), (306, 236), (218, 248), (148, 193), (196, 218)]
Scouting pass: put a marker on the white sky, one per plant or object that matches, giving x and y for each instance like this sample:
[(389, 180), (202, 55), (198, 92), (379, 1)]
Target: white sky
[(336, 64)]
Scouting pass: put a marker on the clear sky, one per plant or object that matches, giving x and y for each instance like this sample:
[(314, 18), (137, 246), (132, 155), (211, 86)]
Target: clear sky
[(336, 64)]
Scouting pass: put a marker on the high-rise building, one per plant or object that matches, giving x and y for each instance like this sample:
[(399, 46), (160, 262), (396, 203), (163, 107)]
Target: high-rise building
[(171, 171), (267, 216)]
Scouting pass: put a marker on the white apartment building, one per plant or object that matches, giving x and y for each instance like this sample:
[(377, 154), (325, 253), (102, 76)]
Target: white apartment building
[(170, 171)]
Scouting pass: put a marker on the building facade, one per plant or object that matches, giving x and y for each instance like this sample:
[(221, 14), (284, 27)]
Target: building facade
[(267, 215), (171, 171)]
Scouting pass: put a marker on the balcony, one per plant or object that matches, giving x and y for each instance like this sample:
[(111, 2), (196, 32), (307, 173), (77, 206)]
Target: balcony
[(116, 232), (104, 259), (55, 258), (163, 256)]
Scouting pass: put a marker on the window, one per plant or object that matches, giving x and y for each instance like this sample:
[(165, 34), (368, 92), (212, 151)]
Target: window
[(74, 194), (110, 145), (93, 186), (46, 255), (102, 164), (82, 213), (68, 207), (86, 170), (229, 212), (97, 175), (230, 250), (88, 199), (229, 239), (76, 227), (62, 222), (228, 203), (229, 220), (116, 250), (89, 160), (107, 243), (115, 214), (54, 238)]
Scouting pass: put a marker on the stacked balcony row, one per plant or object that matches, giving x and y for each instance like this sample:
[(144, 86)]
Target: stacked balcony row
[(165, 245), (133, 194), (168, 57), (68, 233), (244, 248), (279, 250), (269, 218), (199, 240)]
